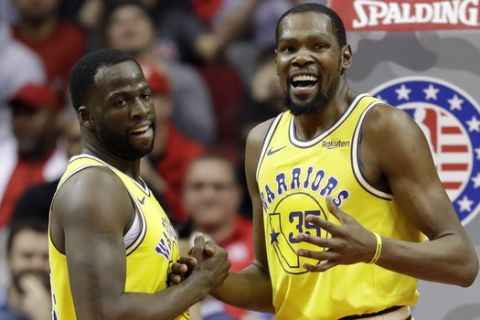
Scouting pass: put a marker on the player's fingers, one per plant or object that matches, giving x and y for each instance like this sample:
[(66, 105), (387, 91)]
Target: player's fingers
[(334, 209), (179, 268), (318, 255), (189, 261), (175, 279), (318, 241), (199, 241), (210, 248), (324, 224), (319, 267)]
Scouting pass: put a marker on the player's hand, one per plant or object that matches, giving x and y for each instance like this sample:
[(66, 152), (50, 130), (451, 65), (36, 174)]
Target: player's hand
[(36, 302), (349, 243), (202, 248), (181, 270), (213, 264)]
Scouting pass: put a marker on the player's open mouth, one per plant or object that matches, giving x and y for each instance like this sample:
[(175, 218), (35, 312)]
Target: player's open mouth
[(303, 81), (303, 84), (140, 130)]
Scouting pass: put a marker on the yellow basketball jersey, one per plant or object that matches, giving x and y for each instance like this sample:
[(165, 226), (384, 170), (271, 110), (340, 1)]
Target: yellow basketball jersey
[(148, 258), (294, 177)]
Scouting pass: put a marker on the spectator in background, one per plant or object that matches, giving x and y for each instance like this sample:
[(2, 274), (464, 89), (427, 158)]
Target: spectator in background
[(178, 31), (38, 159), (128, 26), (229, 38), (241, 29), (59, 44), (212, 198), (164, 168), (28, 294), (35, 202), (18, 66), (266, 93)]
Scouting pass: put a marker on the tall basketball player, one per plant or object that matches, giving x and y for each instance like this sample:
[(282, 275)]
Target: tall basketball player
[(343, 187), (111, 245)]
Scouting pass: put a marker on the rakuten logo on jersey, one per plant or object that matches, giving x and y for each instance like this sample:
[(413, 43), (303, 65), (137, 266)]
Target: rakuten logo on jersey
[(398, 15)]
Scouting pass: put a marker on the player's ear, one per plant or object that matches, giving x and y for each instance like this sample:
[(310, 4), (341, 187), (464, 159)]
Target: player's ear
[(276, 68), (84, 117), (346, 54)]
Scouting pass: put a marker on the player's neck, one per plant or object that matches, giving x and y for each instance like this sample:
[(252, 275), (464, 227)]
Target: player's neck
[(311, 125), (130, 167)]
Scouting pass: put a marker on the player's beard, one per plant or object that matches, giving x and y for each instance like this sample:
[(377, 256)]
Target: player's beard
[(317, 103), (120, 146)]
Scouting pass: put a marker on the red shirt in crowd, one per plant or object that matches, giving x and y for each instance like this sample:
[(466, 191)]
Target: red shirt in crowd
[(59, 51), (172, 166), (240, 253), (26, 174)]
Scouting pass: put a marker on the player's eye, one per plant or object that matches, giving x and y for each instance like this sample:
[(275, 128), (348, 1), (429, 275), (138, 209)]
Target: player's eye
[(320, 46), (286, 48), (121, 102)]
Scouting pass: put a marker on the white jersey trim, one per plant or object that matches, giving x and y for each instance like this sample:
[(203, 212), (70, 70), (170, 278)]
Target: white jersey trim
[(357, 172), (135, 234), (143, 186), (266, 142), (309, 143)]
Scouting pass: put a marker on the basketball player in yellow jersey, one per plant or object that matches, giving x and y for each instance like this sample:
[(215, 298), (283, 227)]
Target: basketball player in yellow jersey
[(111, 245), (342, 187)]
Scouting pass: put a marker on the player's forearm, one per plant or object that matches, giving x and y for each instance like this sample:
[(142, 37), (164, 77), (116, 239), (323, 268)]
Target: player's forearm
[(167, 304), (250, 289), (447, 259)]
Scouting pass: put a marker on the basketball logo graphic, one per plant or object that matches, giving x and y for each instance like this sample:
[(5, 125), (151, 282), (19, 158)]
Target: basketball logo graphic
[(283, 233), (450, 120)]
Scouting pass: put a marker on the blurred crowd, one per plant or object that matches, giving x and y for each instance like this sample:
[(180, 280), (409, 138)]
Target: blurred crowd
[(210, 65)]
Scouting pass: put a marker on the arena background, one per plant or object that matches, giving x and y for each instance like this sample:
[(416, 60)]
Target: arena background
[(439, 40)]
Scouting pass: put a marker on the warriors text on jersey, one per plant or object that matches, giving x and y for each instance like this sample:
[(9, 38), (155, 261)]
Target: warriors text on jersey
[(149, 254), (294, 177)]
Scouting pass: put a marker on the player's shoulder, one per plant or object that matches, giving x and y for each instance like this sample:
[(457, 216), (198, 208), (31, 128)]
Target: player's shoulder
[(390, 133), (255, 141), (91, 188), (257, 134), (383, 119)]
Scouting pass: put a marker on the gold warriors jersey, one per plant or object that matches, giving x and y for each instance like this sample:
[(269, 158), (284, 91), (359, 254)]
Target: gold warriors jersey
[(148, 257), (294, 177)]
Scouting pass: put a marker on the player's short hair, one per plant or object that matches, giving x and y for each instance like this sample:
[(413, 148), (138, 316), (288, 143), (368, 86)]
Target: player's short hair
[(34, 224), (337, 23), (82, 76)]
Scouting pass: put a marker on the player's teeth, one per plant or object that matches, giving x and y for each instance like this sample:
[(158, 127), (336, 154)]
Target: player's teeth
[(304, 78), (142, 129)]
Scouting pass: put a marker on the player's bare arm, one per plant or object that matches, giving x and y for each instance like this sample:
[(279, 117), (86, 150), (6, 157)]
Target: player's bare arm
[(251, 288), (395, 155), (89, 230)]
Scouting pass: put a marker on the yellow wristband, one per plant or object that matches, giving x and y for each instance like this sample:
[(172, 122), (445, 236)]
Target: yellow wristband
[(378, 249)]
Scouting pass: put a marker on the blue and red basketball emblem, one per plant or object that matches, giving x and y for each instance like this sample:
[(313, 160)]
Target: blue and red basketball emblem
[(450, 120)]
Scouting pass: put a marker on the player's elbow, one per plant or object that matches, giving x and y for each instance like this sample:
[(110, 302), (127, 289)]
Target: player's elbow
[(109, 309), (469, 270)]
